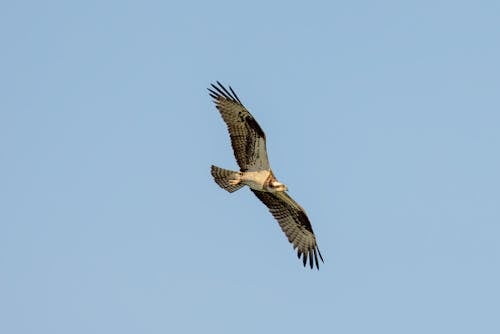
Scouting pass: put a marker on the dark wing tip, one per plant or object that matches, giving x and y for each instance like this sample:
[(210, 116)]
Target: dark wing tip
[(311, 256), (218, 92), (319, 253)]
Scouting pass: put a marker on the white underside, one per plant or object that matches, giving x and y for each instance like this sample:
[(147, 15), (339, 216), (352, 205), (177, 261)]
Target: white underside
[(255, 180)]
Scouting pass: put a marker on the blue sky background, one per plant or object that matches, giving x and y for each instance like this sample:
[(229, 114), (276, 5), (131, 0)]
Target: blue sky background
[(383, 118)]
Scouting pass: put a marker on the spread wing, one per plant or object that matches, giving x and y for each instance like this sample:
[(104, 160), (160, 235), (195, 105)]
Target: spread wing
[(294, 222), (247, 138)]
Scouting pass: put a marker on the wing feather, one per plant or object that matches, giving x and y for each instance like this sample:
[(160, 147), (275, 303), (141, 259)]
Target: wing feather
[(294, 223), (247, 138)]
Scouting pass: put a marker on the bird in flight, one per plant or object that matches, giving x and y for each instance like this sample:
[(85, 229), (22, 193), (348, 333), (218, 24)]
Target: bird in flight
[(249, 146)]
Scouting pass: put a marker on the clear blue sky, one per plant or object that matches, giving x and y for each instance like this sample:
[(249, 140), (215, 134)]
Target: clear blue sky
[(383, 118)]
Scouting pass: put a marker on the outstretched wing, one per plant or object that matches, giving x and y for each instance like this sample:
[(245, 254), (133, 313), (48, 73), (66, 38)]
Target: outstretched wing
[(247, 138), (294, 222)]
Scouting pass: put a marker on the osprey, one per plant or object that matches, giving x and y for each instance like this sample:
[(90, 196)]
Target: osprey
[(249, 146)]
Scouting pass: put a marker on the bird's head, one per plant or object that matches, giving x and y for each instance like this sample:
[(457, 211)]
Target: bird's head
[(275, 186)]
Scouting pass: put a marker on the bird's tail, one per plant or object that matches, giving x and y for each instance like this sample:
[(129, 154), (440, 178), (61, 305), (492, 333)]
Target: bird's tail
[(223, 177)]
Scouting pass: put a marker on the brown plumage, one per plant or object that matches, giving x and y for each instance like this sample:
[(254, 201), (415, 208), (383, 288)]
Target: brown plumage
[(247, 138), (294, 222), (249, 146)]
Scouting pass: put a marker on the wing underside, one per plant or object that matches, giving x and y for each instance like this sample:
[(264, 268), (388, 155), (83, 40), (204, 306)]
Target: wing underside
[(294, 223), (247, 138)]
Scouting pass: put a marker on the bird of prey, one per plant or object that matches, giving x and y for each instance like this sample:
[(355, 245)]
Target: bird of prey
[(249, 146)]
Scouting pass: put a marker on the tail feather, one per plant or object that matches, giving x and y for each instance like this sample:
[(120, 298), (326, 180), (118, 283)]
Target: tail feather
[(222, 177)]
